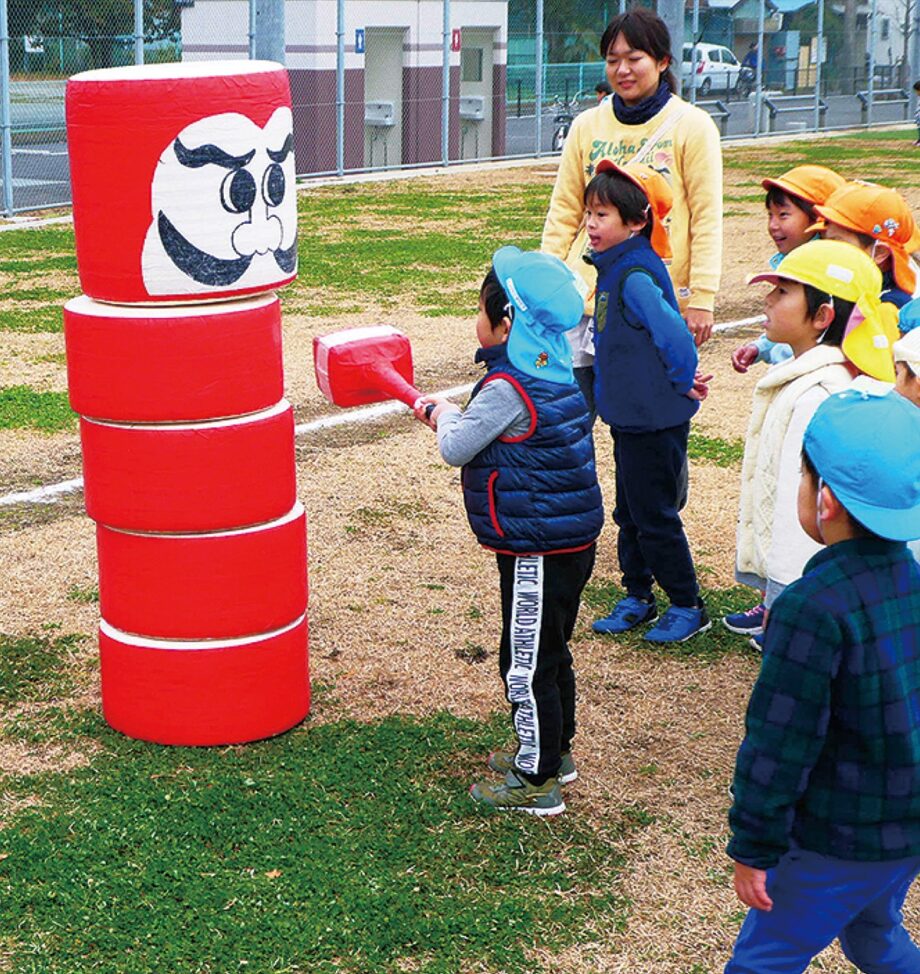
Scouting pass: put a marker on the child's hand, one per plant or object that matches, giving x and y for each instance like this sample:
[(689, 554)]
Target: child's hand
[(744, 357), (700, 388), (431, 418), (751, 887)]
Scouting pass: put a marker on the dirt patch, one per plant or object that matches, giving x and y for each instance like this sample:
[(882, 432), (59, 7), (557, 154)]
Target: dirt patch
[(33, 360), (19, 758), (29, 459)]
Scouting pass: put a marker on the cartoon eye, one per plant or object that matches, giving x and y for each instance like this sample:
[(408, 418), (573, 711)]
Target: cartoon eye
[(238, 191), (273, 185)]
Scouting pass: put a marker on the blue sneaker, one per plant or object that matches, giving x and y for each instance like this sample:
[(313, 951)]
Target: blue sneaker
[(679, 624), (756, 641), (627, 614), (748, 623)]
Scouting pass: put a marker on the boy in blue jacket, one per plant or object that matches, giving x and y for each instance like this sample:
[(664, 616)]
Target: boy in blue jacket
[(826, 815), (531, 495), (646, 389)]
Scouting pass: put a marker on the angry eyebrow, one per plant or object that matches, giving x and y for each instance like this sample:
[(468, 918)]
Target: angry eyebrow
[(283, 152), (210, 155)]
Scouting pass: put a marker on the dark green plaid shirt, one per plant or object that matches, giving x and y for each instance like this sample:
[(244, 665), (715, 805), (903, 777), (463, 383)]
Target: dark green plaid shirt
[(831, 756)]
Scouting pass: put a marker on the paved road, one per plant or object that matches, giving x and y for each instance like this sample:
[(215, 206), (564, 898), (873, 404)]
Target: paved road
[(41, 177)]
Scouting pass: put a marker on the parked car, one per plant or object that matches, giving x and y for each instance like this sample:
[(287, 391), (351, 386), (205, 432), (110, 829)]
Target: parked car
[(717, 68)]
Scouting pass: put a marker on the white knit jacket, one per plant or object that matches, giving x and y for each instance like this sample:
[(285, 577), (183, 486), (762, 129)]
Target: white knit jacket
[(770, 541)]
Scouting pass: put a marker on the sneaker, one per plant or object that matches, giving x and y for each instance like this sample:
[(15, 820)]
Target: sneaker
[(503, 762), (627, 614), (748, 623), (679, 624), (756, 641), (516, 794)]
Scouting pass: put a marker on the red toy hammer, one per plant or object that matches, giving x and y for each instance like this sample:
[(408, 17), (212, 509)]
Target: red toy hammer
[(363, 365)]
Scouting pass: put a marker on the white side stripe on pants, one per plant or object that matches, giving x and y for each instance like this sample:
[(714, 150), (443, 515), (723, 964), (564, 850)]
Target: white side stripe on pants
[(526, 616)]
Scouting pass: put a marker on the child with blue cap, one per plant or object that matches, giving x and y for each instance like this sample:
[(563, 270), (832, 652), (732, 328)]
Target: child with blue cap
[(826, 816), (531, 495)]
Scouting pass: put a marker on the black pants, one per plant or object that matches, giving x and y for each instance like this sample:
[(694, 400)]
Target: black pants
[(540, 599), (651, 483)]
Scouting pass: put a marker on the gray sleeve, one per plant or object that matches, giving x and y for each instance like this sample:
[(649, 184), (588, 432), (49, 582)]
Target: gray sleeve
[(497, 410)]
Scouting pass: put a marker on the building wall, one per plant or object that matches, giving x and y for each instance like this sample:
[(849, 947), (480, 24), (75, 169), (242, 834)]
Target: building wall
[(219, 29)]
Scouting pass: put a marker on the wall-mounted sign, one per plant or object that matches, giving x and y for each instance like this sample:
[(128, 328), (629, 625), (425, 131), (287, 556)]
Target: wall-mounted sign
[(455, 39), (359, 40)]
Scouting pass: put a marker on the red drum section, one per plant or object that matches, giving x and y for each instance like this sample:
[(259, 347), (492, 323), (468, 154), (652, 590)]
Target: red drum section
[(183, 180), (173, 364), (200, 693), (204, 586), (190, 477)]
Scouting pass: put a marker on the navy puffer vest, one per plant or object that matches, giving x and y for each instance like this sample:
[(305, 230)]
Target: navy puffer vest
[(631, 385), (536, 493)]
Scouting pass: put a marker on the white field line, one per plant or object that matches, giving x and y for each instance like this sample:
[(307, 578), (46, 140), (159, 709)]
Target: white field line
[(50, 493)]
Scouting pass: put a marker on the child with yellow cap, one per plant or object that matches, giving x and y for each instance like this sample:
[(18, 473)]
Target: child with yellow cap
[(878, 220), (825, 305)]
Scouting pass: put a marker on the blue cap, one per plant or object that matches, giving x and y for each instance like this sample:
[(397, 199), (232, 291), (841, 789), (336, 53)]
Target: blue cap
[(866, 448), (547, 303), (909, 316)]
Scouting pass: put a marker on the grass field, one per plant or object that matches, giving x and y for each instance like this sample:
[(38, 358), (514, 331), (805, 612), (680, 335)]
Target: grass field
[(349, 844)]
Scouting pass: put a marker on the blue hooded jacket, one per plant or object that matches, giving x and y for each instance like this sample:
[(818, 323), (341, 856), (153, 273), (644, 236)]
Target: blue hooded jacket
[(535, 494)]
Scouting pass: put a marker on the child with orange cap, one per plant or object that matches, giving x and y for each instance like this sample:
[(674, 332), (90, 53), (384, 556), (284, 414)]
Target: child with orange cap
[(646, 388), (791, 201), (878, 220)]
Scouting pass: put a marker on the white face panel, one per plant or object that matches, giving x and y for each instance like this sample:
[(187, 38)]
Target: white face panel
[(223, 207)]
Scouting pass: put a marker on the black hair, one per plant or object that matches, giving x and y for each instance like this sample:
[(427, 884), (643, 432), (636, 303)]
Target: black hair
[(779, 197), (603, 86), (917, 86), (857, 527), (614, 189), (835, 331), (644, 31), (494, 299)]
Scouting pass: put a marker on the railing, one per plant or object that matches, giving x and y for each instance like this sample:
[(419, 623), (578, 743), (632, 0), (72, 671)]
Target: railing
[(719, 112), (783, 104), (900, 97)]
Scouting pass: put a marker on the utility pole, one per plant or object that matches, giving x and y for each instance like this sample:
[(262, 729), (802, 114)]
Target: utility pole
[(268, 40)]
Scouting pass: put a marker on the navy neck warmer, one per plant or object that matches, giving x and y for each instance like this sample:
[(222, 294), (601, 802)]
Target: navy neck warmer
[(641, 112)]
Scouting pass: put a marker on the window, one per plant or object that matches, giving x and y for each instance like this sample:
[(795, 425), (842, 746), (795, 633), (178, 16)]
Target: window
[(471, 64), (885, 30)]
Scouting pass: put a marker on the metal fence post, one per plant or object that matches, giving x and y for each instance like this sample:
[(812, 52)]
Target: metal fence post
[(6, 134), (873, 25), (758, 79), (340, 87), (445, 85), (138, 31), (914, 54), (252, 30), (696, 51), (819, 57), (268, 33), (538, 78)]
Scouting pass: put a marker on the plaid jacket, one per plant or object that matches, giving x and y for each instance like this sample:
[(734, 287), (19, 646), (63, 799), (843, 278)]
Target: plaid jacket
[(830, 761)]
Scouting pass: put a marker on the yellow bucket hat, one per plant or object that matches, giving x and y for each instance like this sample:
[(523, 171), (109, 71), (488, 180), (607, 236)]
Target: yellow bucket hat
[(846, 272)]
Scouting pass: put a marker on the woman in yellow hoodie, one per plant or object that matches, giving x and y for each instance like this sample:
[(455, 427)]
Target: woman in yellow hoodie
[(645, 122)]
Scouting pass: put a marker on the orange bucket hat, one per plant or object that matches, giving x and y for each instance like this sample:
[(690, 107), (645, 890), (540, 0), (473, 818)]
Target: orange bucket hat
[(814, 184), (657, 192), (880, 213)]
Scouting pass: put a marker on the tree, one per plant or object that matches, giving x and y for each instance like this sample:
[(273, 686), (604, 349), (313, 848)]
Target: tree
[(102, 25)]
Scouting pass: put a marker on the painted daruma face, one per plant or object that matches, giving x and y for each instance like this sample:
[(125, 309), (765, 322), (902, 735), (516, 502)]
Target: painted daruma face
[(224, 208)]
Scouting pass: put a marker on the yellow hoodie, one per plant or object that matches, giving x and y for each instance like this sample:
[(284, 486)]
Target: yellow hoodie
[(688, 155)]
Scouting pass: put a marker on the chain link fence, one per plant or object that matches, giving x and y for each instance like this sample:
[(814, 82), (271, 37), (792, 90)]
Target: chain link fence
[(375, 87)]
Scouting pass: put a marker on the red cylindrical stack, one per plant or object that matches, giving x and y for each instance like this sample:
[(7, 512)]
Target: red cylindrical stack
[(183, 188)]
